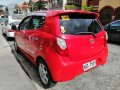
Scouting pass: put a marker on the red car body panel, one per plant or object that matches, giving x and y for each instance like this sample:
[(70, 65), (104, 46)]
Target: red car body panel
[(80, 50)]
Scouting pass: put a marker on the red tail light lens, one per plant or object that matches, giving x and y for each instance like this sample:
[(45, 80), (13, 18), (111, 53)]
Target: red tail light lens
[(61, 47), (106, 39), (10, 30), (106, 36)]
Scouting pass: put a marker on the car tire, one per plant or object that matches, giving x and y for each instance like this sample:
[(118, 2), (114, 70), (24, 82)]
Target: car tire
[(16, 47), (3, 34), (45, 75), (7, 38)]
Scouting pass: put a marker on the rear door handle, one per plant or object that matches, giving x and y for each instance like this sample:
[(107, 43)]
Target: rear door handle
[(118, 30)]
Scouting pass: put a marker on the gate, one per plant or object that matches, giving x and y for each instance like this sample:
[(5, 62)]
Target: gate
[(106, 14)]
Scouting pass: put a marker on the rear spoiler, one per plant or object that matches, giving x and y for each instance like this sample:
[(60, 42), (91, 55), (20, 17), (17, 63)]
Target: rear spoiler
[(76, 12)]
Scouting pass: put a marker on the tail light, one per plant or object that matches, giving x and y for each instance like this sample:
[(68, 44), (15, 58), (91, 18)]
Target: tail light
[(106, 38), (10, 30), (61, 46)]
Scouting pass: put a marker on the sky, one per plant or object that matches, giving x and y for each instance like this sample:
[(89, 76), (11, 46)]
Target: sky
[(7, 2)]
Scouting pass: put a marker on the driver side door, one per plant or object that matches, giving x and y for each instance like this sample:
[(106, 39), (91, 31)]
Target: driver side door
[(21, 32)]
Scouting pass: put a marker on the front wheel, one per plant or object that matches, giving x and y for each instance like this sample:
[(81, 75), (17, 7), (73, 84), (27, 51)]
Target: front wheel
[(45, 75)]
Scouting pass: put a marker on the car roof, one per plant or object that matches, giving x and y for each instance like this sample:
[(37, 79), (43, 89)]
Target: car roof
[(115, 21), (58, 12)]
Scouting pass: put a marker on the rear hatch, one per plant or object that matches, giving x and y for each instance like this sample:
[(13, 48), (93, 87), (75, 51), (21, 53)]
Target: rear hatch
[(83, 35)]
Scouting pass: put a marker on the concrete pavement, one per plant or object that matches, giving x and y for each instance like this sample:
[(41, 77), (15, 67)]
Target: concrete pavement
[(12, 77)]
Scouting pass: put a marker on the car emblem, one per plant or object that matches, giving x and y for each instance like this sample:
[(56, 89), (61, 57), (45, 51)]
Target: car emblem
[(92, 41)]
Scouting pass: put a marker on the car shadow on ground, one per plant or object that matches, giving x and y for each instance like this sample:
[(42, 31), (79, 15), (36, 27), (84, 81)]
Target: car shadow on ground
[(8, 39), (27, 66), (113, 42)]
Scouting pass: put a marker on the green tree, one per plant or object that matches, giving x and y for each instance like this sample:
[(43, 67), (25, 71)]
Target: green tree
[(37, 6), (88, 8)]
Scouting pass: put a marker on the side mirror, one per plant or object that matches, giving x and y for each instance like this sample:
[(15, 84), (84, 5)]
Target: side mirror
[(14, 27)]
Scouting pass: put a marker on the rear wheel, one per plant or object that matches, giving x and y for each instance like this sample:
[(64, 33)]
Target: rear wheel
[(16, 47), (45, 75)]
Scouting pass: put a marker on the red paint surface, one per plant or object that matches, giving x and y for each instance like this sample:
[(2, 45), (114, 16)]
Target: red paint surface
[(69, 64)]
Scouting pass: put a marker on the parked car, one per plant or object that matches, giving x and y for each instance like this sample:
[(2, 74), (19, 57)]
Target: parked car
[(62, 43), (9, 29), (3, 21), (113, 30)]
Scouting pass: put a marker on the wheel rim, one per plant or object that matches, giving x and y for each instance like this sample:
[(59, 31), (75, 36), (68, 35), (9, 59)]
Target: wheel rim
[(43, 73)]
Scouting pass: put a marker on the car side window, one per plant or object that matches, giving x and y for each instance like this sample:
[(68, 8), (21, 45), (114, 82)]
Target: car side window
[(36, 22), (24, 25)]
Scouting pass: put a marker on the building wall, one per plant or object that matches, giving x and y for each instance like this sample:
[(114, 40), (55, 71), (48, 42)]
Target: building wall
[(113, 3), (84, 3)]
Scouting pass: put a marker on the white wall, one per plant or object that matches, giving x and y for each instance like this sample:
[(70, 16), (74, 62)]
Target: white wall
[(64, 2)]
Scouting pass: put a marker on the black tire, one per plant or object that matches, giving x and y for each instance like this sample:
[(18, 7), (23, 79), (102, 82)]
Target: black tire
[(3, 34), (16, 47), (44, 73), (7, 38)]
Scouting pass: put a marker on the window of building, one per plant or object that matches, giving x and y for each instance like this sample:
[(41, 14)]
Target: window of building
[(93, 2), (76, 2)]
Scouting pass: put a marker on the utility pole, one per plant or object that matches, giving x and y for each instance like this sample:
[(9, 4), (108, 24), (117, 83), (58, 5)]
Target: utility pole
[(64, 2)]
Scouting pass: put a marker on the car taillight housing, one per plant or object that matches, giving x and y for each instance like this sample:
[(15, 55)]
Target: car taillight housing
[(105, 39), (61, 46), (10, 30), (106, 36)]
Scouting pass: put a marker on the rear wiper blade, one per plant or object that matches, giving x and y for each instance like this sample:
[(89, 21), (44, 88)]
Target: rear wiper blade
[(85, 33)]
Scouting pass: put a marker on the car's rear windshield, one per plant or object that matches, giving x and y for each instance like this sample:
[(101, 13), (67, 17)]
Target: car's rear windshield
[(76, 23), (16, 23)]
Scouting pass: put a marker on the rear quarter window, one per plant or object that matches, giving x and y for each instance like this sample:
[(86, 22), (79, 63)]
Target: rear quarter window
[(75, 23)]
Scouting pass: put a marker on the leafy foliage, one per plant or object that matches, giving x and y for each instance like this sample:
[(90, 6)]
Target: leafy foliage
[(71, 7), (88, 8), (37, 6)]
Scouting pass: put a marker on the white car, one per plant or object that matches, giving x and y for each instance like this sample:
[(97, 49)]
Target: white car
[(8, 29)]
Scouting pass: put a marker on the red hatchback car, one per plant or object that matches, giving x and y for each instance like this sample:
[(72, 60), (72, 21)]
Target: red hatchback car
[(62, 43)]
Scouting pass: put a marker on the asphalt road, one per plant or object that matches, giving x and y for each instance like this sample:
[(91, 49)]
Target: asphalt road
[(106, 77)]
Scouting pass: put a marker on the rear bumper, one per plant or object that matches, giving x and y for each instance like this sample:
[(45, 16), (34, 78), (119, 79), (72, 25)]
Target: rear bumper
[(10, 34), (64, 69)]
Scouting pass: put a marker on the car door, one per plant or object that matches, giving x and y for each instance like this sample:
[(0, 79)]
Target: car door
[(21, 32), (114, 31), (31, 36)]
